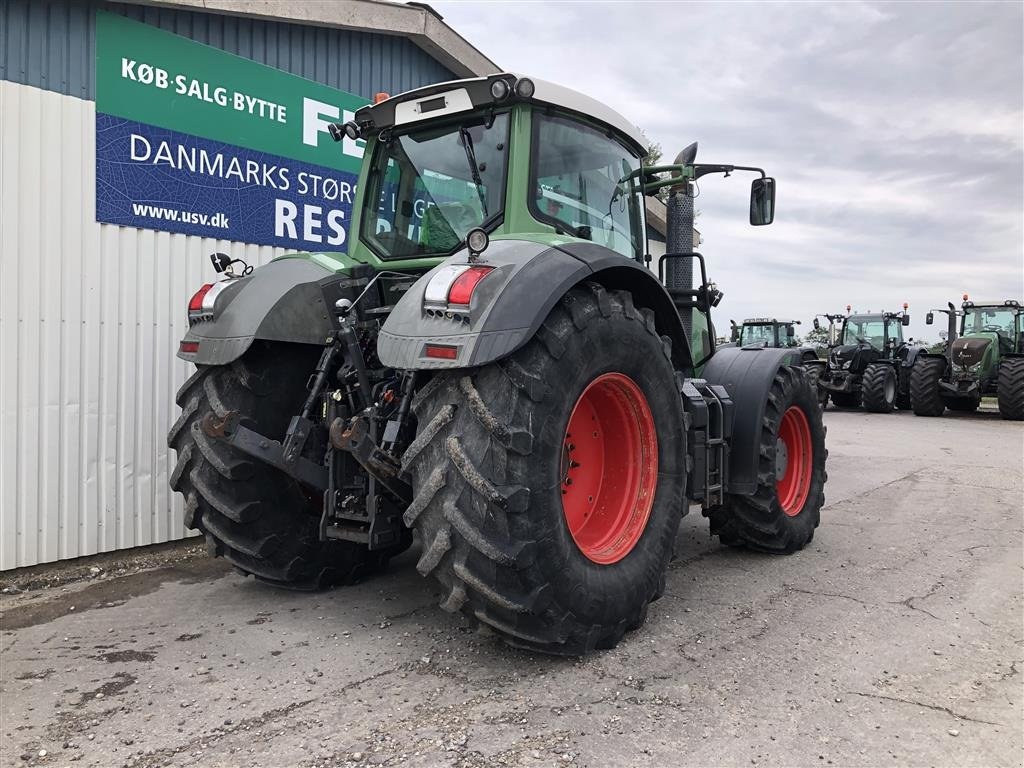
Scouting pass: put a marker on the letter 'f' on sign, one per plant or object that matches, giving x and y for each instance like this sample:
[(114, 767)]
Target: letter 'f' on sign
[(313, 124)]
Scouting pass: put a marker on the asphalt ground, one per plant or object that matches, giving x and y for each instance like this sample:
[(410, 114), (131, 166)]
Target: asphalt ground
[(895, 638)]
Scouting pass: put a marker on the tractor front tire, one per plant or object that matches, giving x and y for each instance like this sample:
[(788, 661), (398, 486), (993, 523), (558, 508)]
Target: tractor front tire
[(878, 388), (924, 386), (814, 376), (254, 516), (507, 455), (784, 511), (1010, 388)]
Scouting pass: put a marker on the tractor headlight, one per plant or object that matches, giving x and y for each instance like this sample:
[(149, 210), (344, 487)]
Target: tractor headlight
[(499, 90), (847, 364), (524, 88)]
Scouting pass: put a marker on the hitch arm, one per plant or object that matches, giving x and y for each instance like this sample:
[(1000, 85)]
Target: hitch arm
[(229, 429)]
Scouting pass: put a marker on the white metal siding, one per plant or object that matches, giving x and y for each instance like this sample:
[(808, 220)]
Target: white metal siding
[(90, 319)]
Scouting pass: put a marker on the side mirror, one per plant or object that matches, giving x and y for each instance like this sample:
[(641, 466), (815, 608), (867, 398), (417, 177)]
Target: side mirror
[(762, 201), (817, 325), (929, 318), (790, 331), (906, 320), (735, 336)]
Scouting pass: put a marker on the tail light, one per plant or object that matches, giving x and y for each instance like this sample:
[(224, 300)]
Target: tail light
[(195, 304), (452, 286), (202, 302)]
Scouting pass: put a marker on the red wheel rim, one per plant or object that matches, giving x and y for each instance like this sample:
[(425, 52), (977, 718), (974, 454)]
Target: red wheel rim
[(609, 468), (794, 461)]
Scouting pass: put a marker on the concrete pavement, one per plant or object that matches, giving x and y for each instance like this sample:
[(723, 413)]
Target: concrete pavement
[(895, 638)]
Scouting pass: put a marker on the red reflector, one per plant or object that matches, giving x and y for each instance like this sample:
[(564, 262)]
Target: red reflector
[(442, 352), (463, 286), (379, 97), (195, 304), (189, 347)]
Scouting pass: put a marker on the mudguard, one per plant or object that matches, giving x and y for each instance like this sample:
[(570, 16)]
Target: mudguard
[(747, 374), (281, 301), (509, 305)]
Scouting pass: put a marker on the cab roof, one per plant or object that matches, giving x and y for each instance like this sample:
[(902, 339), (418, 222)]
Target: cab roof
[(474, 93)]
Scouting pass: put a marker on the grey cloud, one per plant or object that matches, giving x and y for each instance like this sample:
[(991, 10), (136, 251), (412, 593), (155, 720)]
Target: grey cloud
[(894, 129)]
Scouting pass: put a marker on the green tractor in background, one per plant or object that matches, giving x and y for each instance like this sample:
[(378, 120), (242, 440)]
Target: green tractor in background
[(780, 334), (494, 367), (870, 363), (985, 357)]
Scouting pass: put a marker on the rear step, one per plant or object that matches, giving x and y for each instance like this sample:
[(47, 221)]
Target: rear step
[(707, 418)]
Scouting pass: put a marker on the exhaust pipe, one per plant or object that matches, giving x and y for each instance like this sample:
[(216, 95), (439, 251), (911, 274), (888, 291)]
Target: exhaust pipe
[(679, 239)]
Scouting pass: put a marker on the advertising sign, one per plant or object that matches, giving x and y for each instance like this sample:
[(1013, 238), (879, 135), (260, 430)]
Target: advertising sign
[(194, 140)]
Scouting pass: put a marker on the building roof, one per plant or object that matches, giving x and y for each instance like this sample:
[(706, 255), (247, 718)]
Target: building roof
[(418, 22)]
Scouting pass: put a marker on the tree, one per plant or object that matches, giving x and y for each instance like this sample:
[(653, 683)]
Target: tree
[(654, 154), (817, 338)]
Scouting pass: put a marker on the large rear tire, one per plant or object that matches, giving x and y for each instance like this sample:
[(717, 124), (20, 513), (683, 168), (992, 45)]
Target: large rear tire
[(256, 517), (502, 453), (924, 386), (786, 508), (1010, 388), (878, 388)]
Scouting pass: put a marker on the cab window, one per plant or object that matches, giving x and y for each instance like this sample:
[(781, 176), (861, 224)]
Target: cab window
[(576, 184)]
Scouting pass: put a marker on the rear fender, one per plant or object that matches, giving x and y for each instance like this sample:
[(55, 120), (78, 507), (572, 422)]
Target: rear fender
[(510, 304), (747, 374), (281, 301)]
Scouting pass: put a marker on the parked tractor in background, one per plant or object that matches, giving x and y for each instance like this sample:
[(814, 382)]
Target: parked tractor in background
[(870, 364), (986, 356), (780, 334), (493, 366)]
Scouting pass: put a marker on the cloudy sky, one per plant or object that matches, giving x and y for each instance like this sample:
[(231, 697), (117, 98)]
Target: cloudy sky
[(895, 131)]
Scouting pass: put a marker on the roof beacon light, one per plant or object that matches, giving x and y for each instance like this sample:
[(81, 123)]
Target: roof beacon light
[(381, 96), (847, 309), (905, 305), (499, 90), (966, 297), (525, 88)]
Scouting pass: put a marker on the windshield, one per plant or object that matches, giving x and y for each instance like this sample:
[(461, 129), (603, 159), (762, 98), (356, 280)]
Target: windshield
[(1001, 320), (869, 328), (757, 334), (428, 188)]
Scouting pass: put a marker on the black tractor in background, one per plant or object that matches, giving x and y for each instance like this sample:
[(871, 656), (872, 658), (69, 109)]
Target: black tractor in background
[(870, 364)]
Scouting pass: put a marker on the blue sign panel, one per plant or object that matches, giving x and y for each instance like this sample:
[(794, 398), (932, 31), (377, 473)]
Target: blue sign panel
[(155, 178)]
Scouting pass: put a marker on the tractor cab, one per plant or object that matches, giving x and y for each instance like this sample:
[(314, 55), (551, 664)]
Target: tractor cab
[(766, 332), (994, 323)]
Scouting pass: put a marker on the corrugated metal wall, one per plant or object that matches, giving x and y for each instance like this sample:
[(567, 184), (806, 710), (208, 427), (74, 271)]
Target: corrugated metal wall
[(51, 44), (90, 314), (90, 318)]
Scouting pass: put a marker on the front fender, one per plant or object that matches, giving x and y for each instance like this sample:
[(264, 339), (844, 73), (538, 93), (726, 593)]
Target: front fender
[(510, 304), (280, 301), (747, 374)]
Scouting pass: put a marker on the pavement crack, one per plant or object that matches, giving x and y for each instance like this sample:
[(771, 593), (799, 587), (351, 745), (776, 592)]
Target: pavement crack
[(830, 594), (909, 602), (935, 707)]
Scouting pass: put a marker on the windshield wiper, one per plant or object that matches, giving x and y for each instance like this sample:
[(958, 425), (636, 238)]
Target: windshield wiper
[(467, 143)]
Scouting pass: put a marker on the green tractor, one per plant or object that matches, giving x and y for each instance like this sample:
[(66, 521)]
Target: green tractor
[(985, 357), (869, 364), (494, 366), (781, 334)]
